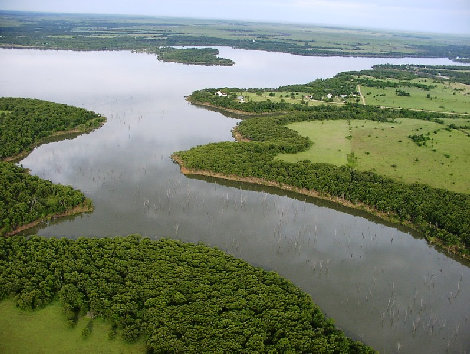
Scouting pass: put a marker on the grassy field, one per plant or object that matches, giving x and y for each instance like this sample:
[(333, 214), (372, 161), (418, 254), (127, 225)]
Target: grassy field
[(441, 96), (46, 331), (283, 96), (445, 97), (386, 149)]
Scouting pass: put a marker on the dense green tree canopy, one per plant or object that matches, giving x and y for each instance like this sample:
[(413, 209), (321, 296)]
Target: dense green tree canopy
[(180, 297), (195, 56), (25, 123), (25, 198)]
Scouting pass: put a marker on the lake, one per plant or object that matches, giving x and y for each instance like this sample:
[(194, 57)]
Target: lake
[(381, 284)]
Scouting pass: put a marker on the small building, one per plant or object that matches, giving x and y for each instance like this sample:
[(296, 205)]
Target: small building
[(329, 96), (241, 99), (221, 94)]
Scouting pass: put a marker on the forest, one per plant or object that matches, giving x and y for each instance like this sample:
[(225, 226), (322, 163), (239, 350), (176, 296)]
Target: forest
[(179, 297), (440, 215), (25, 123), (194, 56), (25, 199)]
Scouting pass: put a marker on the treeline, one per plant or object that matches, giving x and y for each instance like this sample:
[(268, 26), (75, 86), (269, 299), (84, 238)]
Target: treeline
[(319, 88), (387, 83), (300, 112), (342, 85), (25, 198), (442, 216), (209, 96), (195, 56), (179, 297), (25, 122), (408, 72)]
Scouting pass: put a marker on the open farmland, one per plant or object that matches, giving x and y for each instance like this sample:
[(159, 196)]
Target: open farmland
[(441, 96), (386, 148)]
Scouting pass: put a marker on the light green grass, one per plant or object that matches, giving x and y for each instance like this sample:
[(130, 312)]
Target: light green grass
[(442, 98), (46, 331), (386, 149), (330, 142), (286, 96)]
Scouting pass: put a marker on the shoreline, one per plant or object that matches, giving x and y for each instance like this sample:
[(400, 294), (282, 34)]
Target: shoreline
[(229, 110), (244, 114), (84, 207), (311, 193), (238, 136), (449, 250), (59, 134), (454, 251)]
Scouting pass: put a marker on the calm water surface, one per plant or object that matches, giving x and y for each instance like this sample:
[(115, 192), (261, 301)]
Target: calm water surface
[(380, 284)]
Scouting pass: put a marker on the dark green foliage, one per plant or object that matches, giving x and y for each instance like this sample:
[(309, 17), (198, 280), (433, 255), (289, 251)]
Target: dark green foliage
[(435, 212), (320, 88), (344, 85), (299, 112), (25, 122), (180, 297), (86, 331), (387, 83), (401, 93), (196, 56), (419, 139), (25, 198)]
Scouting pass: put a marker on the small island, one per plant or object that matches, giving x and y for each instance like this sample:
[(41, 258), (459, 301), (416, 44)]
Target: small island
[(192, 56), (25, 200)]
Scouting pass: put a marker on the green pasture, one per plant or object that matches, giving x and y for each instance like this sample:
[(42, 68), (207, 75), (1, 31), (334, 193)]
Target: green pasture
[(386, 149), (46, 331), (442, 96), (283, 96), (445, 97)]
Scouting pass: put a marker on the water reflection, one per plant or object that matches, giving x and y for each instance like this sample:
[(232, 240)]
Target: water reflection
[(380, 284)]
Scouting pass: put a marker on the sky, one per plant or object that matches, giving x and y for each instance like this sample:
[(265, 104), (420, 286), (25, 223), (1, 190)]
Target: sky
[(438, 16)]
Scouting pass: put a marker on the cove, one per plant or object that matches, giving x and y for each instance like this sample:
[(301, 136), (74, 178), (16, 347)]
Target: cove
[(380, 284)]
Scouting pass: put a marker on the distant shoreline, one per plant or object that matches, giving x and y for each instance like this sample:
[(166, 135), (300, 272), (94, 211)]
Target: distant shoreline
[(314, 54)]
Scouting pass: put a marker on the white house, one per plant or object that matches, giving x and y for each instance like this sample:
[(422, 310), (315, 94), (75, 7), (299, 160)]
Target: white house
[(221, 94)]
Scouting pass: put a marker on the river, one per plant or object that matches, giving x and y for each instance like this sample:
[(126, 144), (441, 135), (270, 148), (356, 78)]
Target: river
[(381, 284)]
